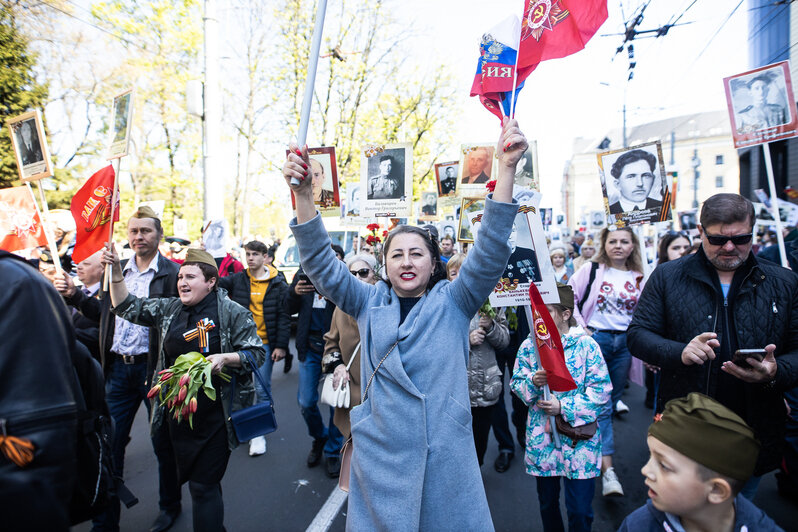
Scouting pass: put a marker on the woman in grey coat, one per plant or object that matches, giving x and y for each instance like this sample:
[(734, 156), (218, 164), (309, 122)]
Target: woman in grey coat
[(413, 464)]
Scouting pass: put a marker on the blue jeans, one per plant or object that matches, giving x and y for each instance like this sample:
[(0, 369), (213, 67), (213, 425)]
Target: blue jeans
[(578, 503), (618, 359), (125, 390), (308, 397), (265, 371)]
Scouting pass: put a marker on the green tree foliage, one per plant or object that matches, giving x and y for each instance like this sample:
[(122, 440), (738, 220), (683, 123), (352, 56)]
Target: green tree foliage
[(19, 89)]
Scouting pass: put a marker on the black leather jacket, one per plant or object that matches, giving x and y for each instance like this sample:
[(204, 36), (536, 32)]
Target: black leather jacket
[(683, 299)]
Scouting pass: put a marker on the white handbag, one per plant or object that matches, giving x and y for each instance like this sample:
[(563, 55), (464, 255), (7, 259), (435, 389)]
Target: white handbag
[(337, 397)]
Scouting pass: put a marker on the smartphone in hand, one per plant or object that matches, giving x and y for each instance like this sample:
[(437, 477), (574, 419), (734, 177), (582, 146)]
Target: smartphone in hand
[(741, 355)]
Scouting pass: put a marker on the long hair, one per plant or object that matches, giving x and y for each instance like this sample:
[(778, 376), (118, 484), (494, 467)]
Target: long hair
[(634, 261), (665, 243), (431, 243)]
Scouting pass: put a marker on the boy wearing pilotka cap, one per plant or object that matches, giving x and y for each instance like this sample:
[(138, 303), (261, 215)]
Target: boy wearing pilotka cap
[(701, 455)]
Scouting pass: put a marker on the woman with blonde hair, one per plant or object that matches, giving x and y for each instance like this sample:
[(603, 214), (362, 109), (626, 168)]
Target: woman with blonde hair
[(586, 254), (606, 295)]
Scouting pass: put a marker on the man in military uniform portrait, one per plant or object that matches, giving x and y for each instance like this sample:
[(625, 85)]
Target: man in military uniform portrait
[(761, 114), (385, 184), (449, 182), (30, 149)]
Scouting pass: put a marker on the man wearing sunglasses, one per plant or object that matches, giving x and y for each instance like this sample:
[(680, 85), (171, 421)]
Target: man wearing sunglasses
[(697, 311)]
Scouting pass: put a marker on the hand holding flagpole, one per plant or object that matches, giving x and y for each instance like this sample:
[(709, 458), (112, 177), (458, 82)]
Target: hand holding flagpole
[(114, 195), (546, 390), (310, 82)]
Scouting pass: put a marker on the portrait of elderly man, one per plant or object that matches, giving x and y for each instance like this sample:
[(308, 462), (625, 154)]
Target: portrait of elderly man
[(634, 177), (30, 150), (761, 113), (321, 195), (477, 165), (385, 184)]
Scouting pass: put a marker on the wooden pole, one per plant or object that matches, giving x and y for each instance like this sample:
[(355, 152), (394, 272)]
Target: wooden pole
[(47, 233), (774, 204), (107, 279)]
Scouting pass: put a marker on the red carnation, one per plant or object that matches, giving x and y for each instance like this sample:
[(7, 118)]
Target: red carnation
[(385, 234), (491, 185), (373, 227)]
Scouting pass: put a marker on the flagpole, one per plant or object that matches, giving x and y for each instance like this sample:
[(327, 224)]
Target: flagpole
[(546, 391), (310, 82), (47, 234), (107, 279), (774, 205)]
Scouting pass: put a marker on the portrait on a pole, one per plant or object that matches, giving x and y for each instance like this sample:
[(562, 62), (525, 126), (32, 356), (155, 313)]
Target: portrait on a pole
[(635, 187), (324, 174), (387, 178), (529, 259), (476, 169), (30, 146), (121, 123), (448, 228), (761, 105), (429, 206), (526, 170), (446, 178)]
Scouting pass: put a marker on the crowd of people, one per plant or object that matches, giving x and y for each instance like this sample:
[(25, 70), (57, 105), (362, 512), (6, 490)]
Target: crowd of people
[(712, 333)]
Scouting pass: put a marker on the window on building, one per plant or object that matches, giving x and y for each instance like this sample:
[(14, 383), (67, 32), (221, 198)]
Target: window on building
[(719, 181), (719, 159)]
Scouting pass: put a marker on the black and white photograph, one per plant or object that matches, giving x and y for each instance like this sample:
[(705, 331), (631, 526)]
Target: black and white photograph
[(121, 121), (635, 185), (526, 170), (448, 228), (429, 206), (214, 238), (446, 178), (30, 146), (529, 259), (387, 178), (761, 105), (353, 200)]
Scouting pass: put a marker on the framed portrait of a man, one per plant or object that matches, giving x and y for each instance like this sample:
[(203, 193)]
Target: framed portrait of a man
[(635, 187), (352, 200), (324, 173), (386, 177), (466, 231), (429, 206), (448, 228), (761, 105), (446, 178), (30, 146), (476, 169), (526, 170), (121, 122)]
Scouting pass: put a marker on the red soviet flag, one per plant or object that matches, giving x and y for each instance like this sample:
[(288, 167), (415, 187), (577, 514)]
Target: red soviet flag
[(91, 209), (549, 345), (551, 29), (20, 223)]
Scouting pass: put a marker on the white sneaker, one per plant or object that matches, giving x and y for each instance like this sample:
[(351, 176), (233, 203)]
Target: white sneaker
[(621, 408), (257, 446), (610, 485)]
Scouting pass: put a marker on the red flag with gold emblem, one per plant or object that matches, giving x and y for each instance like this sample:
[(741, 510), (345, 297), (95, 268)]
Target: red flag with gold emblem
[(551, 29), (91, 209), (549, 345), (20, 223)]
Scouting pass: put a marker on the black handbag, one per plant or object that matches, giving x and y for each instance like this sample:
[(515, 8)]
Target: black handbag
[(256, 420)]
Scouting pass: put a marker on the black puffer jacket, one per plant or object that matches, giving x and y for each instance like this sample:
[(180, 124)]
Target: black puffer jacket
[(683, 299), (275, 310)]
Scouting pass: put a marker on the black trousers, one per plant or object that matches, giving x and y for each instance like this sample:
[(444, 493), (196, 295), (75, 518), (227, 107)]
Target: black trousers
[(481, 417)]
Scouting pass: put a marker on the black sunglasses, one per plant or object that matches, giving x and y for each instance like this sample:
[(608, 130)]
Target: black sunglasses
[(737, 240), (362, 272)]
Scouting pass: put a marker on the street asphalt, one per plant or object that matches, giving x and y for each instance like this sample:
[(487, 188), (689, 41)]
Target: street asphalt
[(278, 492)]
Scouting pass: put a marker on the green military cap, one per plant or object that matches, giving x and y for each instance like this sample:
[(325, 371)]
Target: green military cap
[(566, 294), (707, 432), (200, 255), (145, 211)]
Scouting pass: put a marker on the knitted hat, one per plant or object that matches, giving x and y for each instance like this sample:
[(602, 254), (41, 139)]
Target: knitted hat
[(707, 432), (200, 255)]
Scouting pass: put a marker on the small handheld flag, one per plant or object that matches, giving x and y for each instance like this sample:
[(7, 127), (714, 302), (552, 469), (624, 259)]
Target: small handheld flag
[(91, 208), (548, 344)]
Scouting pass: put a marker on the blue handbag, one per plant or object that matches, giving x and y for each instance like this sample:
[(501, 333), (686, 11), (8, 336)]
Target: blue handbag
[(256, 420)]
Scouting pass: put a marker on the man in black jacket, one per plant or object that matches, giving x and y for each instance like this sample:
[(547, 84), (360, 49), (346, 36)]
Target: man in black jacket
[(128, 354), (695, 312), (263, 290), (315, 316)]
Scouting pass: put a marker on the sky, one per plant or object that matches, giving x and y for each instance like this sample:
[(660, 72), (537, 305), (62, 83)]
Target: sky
[(583, 95)]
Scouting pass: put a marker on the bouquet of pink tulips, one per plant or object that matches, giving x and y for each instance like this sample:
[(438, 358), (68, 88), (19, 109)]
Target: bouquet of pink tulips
[(178, 386)]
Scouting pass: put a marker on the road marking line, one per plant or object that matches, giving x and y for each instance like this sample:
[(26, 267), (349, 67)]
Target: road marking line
[(324, 519)]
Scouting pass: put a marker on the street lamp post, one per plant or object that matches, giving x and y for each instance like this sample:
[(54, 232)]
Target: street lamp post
[(696, 162)]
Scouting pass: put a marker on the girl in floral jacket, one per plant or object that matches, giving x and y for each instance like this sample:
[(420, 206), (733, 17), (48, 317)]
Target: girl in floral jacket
[(578, 462)]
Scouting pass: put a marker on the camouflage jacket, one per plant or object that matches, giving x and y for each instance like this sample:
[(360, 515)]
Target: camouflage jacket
[(237, 332)]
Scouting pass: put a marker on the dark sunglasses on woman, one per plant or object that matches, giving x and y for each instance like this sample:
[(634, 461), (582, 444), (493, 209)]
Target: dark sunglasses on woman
[(737, 240), (362, 272)]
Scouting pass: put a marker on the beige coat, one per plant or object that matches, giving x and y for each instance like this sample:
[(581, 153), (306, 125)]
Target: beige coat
[(343, 337)]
